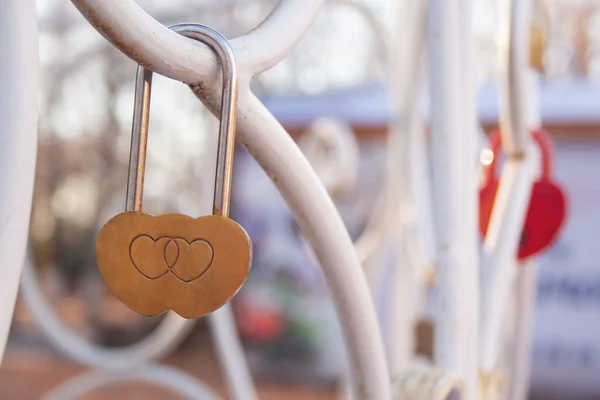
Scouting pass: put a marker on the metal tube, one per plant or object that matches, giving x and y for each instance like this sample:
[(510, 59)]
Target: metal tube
[(514, 18), (169, 377), (454, 349), (514, 191), (18, 145), (128, 27), (405, 169), (468, 204), (231, 354), (499, 252), (227, 119), (139, 139), (171, 331), (526, 293)]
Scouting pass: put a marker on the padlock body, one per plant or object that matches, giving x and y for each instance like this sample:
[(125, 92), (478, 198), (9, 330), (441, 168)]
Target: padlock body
[(545, 215), (192, 266)]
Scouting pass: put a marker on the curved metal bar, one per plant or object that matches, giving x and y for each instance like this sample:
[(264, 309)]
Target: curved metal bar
[(332, 150), (499, 250), (175, 380), (381, 219), (18, 145), (231, 354), (427, 384), (510, 205), (161, 341), (276, 37), (513, 52), (128, 27), (322, 225), (172, 330), (154, 46), (375, 24)]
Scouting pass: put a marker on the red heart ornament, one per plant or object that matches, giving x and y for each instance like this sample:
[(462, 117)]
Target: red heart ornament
[(547, 205), (545, 216)]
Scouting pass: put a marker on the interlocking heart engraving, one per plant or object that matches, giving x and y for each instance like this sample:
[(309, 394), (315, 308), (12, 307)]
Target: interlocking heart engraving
[(172, 261), (154, 258), (192, 266)]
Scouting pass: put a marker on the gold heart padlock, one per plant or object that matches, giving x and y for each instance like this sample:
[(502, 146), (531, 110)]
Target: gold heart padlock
[(192, 266)]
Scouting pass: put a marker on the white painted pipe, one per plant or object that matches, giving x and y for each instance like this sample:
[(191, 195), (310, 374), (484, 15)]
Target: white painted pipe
[(468, 203), (456, 265), (231, 354), (18, 145), (514, 17), (160, 342), (443, 148), (500, 249), (225, 336), (519, 112), (526, 281), (526, 293), (406, 168), (165, 52), (168, 377), (333, 151)]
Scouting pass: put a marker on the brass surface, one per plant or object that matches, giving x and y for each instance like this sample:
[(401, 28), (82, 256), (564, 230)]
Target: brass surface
[(192, 266)]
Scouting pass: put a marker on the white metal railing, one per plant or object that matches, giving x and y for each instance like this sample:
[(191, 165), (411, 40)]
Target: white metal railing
[(18, 141), (167, 377), (464, 345), (149, 43), (512, 198), (454, 190)]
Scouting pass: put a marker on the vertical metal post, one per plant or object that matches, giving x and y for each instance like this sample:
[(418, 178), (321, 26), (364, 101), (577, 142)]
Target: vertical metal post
[(231, 354), (452, 129), (18, 145), (526, 292), (405, 78), (526, 279), (519, 112), (469, 197)]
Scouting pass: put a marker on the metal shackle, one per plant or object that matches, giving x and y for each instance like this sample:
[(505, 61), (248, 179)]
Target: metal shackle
[(226, 143)]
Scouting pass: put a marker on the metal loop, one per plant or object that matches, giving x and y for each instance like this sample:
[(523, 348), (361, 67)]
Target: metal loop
[(426, 383), (226, 144), (165, 376)]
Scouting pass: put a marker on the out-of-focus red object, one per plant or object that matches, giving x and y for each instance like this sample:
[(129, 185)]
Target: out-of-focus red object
[(259, 323), (547, 205)]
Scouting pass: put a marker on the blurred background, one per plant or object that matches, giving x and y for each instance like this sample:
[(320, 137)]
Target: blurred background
[(336, 76)]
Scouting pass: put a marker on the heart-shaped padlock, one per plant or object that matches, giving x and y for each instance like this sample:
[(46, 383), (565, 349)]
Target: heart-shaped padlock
[(547, 204), (192, 266)]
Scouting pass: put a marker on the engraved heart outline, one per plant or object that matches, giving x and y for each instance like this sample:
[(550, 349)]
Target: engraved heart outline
[(138, 268), (169, 266), (189, 245)]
